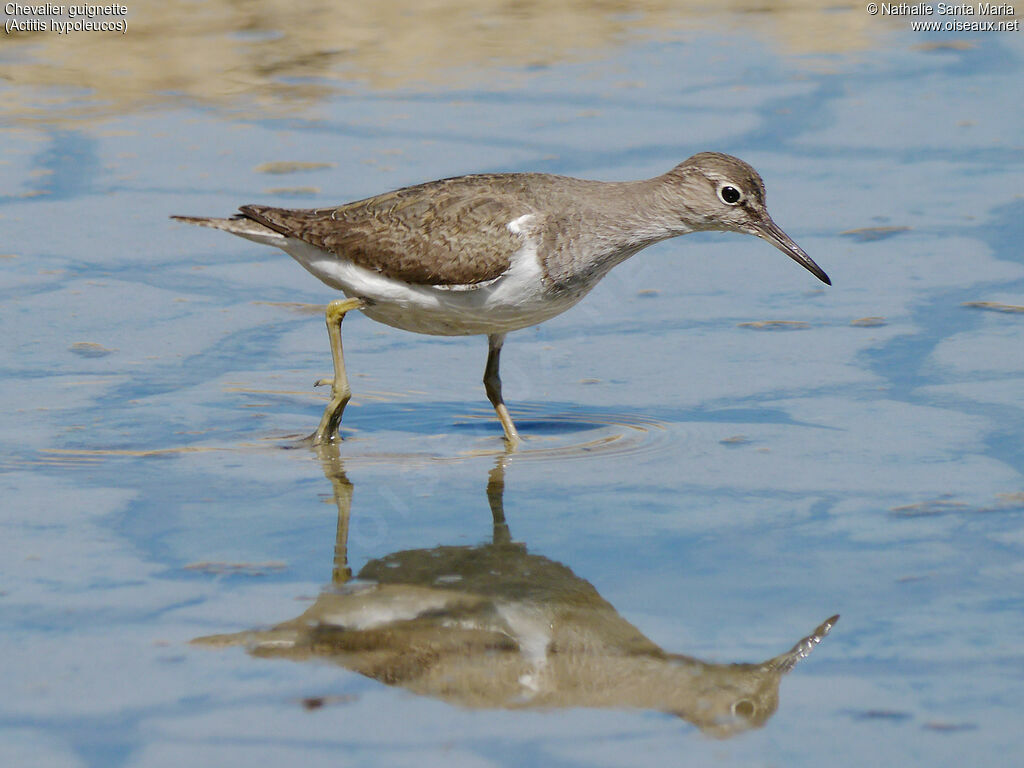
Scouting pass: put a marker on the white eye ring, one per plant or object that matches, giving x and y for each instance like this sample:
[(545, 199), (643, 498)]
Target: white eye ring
[(730, 194)]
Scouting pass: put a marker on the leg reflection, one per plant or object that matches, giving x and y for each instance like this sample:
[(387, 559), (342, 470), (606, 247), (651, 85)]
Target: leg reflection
[(341, 488)]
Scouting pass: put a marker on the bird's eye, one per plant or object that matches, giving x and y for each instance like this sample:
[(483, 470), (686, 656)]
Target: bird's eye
[(729, 195), (744, 708)]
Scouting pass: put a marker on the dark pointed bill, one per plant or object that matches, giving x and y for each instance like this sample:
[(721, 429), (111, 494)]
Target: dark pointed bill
[(771, 232), (788, 660)]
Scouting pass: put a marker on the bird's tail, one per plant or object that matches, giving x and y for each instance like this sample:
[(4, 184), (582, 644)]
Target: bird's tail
[(239, 225)]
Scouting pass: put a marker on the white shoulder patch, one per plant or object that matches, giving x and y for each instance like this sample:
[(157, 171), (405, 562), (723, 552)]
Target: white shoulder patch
[(520, 225)]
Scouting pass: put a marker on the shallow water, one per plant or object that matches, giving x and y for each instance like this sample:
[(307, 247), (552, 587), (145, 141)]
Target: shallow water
[(695, 471)]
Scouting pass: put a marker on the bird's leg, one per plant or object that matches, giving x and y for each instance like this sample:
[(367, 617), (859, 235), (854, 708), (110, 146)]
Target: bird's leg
[(492, 383), (340, 391)]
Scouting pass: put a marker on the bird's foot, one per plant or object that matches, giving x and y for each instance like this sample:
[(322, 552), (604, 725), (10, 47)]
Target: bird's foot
[(513, 443), (512, 439), (327, 432)]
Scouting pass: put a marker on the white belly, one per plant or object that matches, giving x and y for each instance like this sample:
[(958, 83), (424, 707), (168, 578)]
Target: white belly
[(514, 300)]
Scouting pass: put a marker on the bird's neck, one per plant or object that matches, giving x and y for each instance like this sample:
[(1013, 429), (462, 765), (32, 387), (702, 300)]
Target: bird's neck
[(621, 219), (635, 214)]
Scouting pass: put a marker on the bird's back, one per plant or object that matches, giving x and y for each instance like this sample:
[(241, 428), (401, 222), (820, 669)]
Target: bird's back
[(447, 232)]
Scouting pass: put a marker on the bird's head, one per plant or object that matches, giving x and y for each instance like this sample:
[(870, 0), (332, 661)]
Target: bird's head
[(722, 192)]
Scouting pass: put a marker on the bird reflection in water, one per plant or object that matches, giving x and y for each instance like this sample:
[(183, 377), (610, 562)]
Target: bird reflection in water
[(493, 626)]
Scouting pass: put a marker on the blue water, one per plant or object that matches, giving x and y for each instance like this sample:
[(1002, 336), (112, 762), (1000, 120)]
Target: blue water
[(724, 487)]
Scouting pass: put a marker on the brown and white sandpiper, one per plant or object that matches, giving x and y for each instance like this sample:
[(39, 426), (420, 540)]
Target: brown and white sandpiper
[(492, 253)]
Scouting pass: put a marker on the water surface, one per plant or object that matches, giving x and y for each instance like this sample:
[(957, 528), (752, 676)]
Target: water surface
[(721, 452)]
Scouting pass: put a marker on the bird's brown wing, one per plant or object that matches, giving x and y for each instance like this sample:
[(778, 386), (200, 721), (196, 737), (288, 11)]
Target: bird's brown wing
[(448, 232)]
